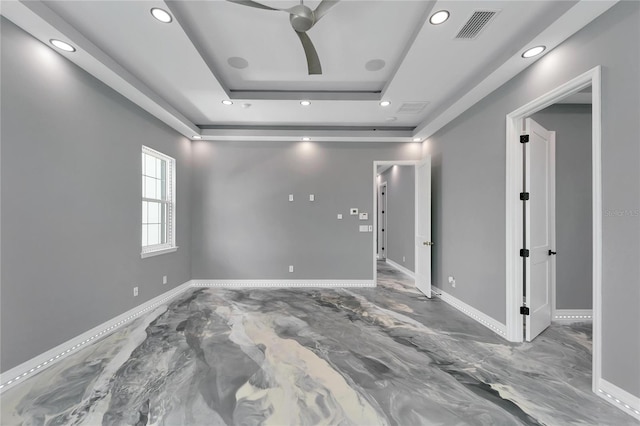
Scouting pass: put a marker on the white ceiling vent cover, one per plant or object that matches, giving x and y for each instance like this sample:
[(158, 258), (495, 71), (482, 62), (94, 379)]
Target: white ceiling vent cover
[(412, 107), (476, 24)]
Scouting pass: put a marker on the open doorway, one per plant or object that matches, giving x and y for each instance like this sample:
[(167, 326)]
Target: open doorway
[(534, 216), (402, 219)]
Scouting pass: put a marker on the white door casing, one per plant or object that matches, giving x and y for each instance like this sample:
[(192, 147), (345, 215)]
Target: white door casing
[(382, 242), (539, 226), (423, 226)]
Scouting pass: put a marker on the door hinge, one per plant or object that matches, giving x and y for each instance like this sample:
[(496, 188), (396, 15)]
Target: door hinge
[(524, 310), (524, 138), (524, 253), (524, 196)]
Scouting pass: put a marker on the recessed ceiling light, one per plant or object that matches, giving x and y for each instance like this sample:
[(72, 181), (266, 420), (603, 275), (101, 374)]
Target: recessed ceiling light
[(305, 139), (417, 139), (385, 103), (62, 45), (196, 137), (534, 51), (439, 17), (161, 15), (305, 103), (227, 102)]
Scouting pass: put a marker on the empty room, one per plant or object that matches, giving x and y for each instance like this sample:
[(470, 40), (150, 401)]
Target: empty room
[(320, 212)]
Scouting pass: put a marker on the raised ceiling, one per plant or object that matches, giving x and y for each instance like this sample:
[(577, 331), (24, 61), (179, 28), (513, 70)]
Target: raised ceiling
[(369, 50)]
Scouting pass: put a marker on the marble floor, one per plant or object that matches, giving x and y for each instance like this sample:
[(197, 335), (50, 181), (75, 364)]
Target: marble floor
[(366, 356)]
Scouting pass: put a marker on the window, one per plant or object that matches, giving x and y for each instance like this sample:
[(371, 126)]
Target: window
[(158, 203)]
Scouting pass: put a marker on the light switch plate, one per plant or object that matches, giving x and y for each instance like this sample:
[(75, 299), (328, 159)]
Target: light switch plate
[(364, 228), (354, 211), (339, 215), (290, 197), (364, 216), (312, 197), (370, 228)]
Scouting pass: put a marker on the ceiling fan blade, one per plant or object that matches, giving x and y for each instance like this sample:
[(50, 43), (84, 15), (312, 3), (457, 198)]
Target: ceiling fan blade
[(313, 62), (323, 8), (252, 3)]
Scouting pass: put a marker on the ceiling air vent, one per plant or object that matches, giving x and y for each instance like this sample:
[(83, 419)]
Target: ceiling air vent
[(412, 107), (475, 24)]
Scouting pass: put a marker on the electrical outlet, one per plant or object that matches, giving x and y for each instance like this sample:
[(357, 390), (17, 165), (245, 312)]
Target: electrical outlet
[(135, 291), (290, 268), (290, 197), (164, 279), (452, 281), (312, 197), (339, 215), (403, 259)]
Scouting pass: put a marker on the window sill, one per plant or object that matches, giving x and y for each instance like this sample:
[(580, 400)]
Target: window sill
[(158, 252)]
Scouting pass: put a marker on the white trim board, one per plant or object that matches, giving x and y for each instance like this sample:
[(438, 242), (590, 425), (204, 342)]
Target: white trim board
[(619, 398), (15, 375), (401, 268), (567, 316), (283, 283), (472, 312)]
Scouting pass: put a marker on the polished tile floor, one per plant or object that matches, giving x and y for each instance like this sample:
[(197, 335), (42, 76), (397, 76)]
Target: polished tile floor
[(315, 356)]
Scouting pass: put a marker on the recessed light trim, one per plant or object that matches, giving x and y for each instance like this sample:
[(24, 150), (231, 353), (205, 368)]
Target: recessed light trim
[(161, 15), (417, 139), (534, 51), (306, 139), (439, 17), (62, 45), (385, 103), (305, 103), (227, 102), (196, 137)]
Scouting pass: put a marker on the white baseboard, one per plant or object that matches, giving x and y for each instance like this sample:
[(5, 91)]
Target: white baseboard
[(472, 312), (567, 316), (283, 283), (401, 268), (619, 398), (15, 375)]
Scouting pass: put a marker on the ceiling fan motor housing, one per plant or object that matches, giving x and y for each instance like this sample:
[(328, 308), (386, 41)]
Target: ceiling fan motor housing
[(301, 18)]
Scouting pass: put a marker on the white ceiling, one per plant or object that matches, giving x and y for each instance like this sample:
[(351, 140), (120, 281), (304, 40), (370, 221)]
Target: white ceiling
[(180, 73)]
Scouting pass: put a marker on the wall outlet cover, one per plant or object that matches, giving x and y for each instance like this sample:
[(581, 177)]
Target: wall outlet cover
[(290, 268), (290, 197), (312, 197), (364, 228), (164, 279), (135, 291), (364, 216), (339, 215)]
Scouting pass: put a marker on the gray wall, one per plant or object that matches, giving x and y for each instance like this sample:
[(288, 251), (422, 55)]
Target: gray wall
[(574, 277), (469, 184), (401, 201), (71, 192), (244, 227)]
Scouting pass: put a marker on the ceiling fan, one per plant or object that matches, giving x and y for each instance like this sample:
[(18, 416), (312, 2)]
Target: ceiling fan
[(302, 19)]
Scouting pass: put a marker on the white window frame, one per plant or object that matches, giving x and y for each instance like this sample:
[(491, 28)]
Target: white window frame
[(170, 203)]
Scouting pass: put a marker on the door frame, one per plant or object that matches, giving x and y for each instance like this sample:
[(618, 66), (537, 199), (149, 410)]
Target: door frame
[(513, 219), (413, 163)]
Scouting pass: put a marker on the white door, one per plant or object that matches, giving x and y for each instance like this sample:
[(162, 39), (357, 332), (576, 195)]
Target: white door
[(539, 226), (382, 236), (423, 226)]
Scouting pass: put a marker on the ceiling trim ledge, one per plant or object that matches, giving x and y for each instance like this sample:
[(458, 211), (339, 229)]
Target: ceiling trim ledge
[(564, 27), (295, 135), (42, 23)]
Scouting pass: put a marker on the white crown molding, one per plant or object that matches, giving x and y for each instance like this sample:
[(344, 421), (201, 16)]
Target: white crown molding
[(283, 283), (567, 316), (619, 398), (472, 312), (17, 374), (401, 268)]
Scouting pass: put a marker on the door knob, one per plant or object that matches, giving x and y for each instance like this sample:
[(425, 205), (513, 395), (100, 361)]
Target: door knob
[(551, 252), (427, 243)]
